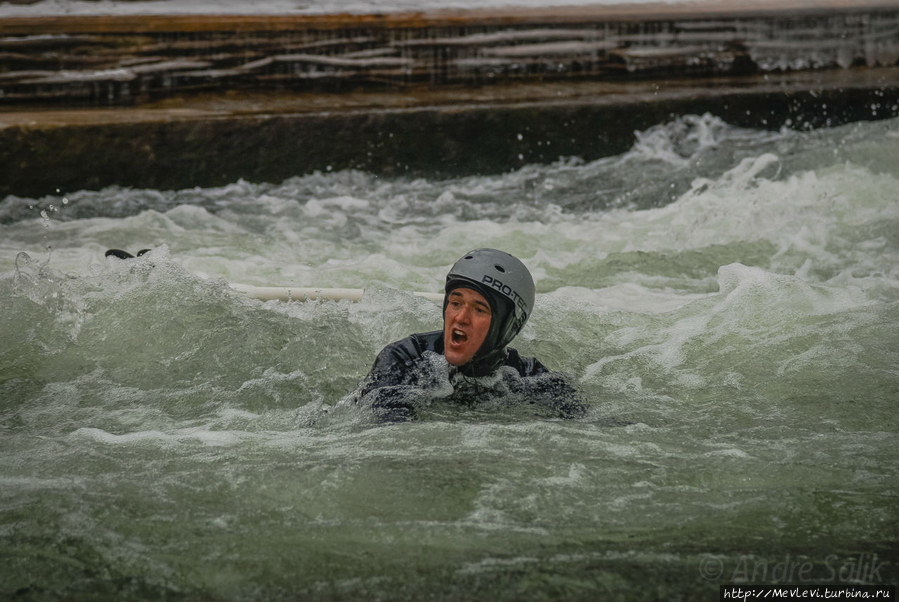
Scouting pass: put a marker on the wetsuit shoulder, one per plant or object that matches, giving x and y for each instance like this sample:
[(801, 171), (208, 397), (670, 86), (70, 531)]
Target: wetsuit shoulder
[(393, 368), (401, 353), (550, 389), (397, 359), (526, 366)]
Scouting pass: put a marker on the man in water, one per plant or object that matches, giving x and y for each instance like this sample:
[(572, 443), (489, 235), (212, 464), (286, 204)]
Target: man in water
[(489, 296)]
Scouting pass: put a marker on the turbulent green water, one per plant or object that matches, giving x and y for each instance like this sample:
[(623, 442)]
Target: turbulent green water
[(726, 300)]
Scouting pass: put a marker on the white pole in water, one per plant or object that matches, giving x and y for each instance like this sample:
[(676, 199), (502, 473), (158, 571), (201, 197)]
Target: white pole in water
[(287, 293), (290, 293)]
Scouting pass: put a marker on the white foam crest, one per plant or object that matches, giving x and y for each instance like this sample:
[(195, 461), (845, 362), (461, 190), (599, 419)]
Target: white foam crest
[(283, 206), (521, 238), (332, 212), (578, 475), (751, 300), (275, 385), (8, 483), (679, 140), (487, 565), (664, 350), (153, 221), (620, 297), (237, 414), (101, 436), (757, 293), (807, 213), (729, 453), (186, 435), (272, 376), (193, 218), (815, 355)]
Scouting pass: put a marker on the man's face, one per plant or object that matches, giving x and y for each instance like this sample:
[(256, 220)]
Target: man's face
[(466, 322)]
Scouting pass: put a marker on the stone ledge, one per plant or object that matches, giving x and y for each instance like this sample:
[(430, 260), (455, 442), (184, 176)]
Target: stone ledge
[(213, 141)]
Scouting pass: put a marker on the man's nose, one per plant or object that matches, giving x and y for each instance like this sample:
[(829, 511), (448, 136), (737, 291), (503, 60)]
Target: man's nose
[(464, 314)]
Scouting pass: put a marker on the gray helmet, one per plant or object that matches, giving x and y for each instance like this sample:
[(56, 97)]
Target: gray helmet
[(506, 284)]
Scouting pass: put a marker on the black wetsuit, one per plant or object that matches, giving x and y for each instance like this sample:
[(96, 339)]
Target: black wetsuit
[(402, 367)]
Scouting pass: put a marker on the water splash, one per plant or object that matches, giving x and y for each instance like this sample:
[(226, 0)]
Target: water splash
[(737, 345)]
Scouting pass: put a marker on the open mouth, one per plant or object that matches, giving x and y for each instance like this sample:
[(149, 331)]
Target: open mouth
[(458, 336)]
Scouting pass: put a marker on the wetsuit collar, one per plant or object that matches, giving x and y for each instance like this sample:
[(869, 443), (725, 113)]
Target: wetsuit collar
[(479, 365), (488, 364)]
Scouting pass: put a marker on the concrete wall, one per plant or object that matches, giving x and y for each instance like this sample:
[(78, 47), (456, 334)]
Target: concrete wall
[(285, 98), (165, 153)]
